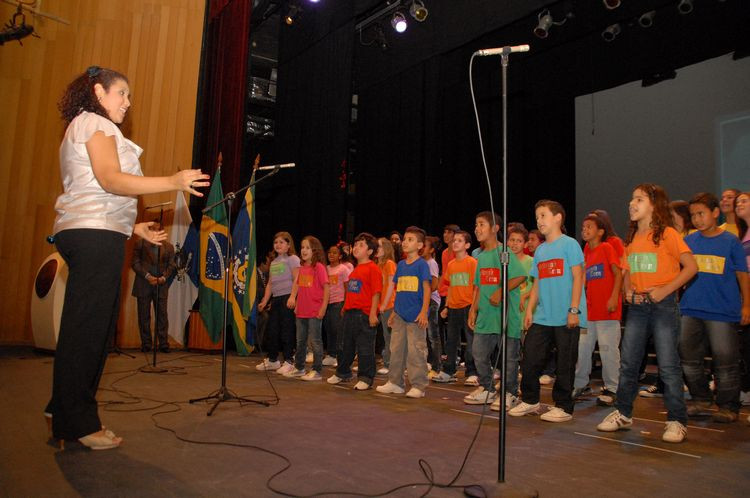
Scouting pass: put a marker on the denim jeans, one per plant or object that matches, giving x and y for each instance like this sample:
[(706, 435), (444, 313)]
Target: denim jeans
[(745, 354), (724, 342), (332, 325), (607, 334), (536, 347), (433, 334), (662, 320), (281, 325), (408, 350), (386, 354), (484, 345), (309, 328), (359, 338)]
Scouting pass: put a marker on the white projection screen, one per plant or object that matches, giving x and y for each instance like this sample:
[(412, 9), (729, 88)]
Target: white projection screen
[(689, 134)]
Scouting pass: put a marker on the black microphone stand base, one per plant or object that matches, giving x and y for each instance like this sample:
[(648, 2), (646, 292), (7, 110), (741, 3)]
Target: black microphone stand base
[(493, 489), (223, 394)]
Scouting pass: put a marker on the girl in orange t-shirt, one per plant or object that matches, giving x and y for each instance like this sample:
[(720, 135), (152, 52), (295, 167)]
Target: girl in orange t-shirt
[(657, 262), (386, 259)]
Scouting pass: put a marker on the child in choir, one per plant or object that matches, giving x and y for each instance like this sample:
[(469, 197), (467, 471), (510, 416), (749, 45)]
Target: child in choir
[(726, 205), (360, 315), (657, 263), (742, 213), (459, 276), (518, 236), (433, 333), (409, 318), (485, 314), (535, 240), (602, 285), (387, 264), (310, 298), (281, 320), (712, 305), (338, 275), (554, 315), (680, 212)]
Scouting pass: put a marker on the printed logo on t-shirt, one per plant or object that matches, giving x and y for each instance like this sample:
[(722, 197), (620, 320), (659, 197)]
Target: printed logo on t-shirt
[(354, 286), (407, 283), (551, 268), (708, 263), (460, 279), (595, 272), (305, 280), (333, 279), (278, 268), (642, 262), (489, 276)]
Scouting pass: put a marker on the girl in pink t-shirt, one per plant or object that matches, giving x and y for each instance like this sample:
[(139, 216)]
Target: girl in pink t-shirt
[(338, 276), (310, 299)]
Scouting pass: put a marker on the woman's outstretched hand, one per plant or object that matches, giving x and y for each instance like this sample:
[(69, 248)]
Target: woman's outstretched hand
[(190, 179), (143, 230)]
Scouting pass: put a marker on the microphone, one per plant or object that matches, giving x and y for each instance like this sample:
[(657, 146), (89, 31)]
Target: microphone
[(501, 50), (159, 205), (276, 166)]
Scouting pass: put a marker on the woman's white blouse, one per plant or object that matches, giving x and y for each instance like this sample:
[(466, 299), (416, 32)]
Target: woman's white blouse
[(84, 203)]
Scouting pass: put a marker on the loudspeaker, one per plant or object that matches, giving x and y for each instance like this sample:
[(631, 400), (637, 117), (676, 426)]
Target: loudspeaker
[(47, 301)]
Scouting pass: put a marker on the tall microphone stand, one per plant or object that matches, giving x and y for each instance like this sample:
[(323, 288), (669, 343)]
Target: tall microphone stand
[(223, 394), (154, 336)]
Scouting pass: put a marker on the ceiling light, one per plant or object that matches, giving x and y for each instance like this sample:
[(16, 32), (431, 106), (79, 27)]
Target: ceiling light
[(418, 11), (292, 14), (399, 22), (685, 7), (611, 32), (647, 20), (545, 23), (611, 4)]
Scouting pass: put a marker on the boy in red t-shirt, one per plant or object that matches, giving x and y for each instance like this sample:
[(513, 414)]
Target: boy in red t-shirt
[(603, 284), (360, 315)]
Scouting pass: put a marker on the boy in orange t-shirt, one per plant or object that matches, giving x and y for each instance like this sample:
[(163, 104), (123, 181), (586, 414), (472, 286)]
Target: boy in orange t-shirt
[(459, 276)]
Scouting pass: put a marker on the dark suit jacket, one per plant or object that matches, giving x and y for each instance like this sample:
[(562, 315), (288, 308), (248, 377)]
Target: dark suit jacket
[(143, 261)]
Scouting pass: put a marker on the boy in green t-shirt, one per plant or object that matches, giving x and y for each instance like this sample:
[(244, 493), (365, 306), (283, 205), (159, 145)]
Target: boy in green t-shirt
[(485, 313)]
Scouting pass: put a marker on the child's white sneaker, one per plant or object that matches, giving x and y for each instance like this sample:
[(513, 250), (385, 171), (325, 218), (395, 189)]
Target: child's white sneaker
[(361, 386), (334, 379), (510, 402), (480, 396), (614, 422), (674, 432), (295, 373), (330, 361), (415, 393), (311, 375), (390, 388), (556, 414), (523, 408), (383, 371), (268, 365), (471, 380), (285, 368)]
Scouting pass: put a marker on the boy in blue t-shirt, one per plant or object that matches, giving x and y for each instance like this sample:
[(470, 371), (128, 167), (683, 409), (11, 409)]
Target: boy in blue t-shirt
[(409, 318), (711, 307), (554, 316)]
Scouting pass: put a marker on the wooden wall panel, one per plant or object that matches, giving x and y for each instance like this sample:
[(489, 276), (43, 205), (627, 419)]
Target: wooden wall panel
[(156, 43)]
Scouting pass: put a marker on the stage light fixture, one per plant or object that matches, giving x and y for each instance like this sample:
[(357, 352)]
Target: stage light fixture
[(611, 4), (418, 11), (399, 22), (545, 23), (685, 7), (611, 32), (647, 19), (292, 14)]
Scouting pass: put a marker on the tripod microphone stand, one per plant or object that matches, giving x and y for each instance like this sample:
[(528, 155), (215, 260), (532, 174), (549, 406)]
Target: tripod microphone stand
[(223, 393)]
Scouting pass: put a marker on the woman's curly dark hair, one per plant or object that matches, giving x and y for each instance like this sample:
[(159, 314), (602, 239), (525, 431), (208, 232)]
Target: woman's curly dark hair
[(661, 218), (80, 96)]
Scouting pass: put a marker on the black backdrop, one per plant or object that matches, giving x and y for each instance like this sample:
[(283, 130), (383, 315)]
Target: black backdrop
[(417, 156)]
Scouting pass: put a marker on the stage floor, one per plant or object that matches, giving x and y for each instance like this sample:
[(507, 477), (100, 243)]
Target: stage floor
[(338, 441)]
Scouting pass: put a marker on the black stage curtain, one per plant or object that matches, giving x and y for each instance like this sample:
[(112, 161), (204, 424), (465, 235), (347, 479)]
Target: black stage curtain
[(312, 130)]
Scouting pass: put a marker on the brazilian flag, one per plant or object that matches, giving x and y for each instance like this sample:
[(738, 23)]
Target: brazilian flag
[(244, 275), (213, 245)]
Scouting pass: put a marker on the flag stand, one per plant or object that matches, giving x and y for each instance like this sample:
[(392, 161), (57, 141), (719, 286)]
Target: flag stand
[(223, 394)]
